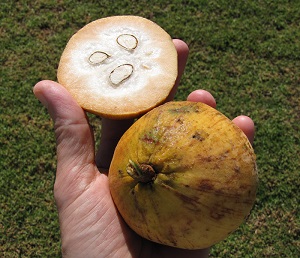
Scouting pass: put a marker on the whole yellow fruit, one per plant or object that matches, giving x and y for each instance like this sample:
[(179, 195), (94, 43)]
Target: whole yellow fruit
[(184, 176)]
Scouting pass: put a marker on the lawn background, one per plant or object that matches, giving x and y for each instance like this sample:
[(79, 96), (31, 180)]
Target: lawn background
[(246, 53)]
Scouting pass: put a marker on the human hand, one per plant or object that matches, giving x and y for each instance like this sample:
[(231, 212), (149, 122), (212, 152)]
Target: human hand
[(89, 222)]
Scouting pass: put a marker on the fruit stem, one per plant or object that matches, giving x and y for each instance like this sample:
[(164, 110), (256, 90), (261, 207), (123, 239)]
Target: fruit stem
[(143, 173)]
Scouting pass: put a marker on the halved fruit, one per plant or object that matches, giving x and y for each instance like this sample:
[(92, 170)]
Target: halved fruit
[(119, 67)]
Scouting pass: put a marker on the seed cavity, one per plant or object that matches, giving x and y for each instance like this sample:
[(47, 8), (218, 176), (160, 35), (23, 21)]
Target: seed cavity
[(98, 57), (121, 73), (127, 41)]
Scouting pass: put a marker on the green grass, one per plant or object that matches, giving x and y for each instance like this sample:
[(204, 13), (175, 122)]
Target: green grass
[(247, 53)]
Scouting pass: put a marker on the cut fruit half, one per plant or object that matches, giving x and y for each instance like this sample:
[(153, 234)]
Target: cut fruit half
[(119, 67)]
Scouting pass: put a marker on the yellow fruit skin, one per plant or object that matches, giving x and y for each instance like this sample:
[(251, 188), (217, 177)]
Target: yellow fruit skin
[(206, 176)]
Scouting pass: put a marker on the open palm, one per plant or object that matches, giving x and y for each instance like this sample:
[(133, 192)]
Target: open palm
[(89, 222)]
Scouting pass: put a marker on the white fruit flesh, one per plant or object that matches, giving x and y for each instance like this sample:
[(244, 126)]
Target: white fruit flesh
[(129, 52)]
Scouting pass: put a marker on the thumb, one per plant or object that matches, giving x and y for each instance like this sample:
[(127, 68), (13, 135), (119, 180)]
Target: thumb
[(74, 138)]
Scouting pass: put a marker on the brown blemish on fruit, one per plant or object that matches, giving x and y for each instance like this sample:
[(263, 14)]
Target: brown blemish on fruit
[(172, 236), (121, 173), (205, 158), (148, 139), (237, 169), (206, 185), (138, 204), (218, 213), (151, 136), (216, 158), (170, 182), (217, 166), (198, 136), (190, 202), (132, 191), (220, 192), (179, 121), (244, 187), (185, 109)]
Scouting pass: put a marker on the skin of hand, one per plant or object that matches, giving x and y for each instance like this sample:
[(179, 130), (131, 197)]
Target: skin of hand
[(90, 224)]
